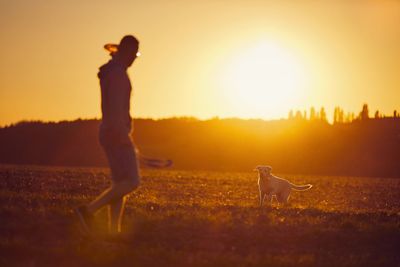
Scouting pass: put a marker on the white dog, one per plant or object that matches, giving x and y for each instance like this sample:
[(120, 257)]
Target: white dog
[(271, 185)]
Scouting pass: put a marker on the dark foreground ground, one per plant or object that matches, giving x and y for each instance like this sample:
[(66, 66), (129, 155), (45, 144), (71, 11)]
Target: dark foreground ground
[(199, 219)]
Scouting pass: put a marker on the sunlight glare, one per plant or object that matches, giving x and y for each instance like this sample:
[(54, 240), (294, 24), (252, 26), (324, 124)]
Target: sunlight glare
[(263, 81)]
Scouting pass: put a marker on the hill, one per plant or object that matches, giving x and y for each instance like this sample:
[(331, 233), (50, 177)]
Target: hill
[(363, 147)]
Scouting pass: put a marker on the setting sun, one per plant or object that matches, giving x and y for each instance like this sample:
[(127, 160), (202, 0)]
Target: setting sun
[(264, 80)]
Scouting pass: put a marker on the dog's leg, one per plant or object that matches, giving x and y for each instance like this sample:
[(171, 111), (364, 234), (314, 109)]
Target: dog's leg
[(265, 197), (283, 198), (269, 198), (286, 196), (261, 198)]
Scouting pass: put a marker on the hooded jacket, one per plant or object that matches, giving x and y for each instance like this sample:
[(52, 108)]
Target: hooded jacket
[(115, 100)]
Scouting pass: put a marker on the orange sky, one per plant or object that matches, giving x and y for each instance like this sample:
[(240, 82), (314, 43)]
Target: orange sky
[(195, 53)]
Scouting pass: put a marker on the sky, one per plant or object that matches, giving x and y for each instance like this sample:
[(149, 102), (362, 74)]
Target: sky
[(237, 58)]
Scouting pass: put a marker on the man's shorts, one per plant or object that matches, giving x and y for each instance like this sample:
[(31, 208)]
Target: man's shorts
[(123, 162)]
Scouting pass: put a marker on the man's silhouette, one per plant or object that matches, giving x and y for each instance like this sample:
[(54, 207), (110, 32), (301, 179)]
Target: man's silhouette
[(114, 135)]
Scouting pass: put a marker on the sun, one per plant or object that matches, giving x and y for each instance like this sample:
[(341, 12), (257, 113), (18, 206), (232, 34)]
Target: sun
[(264, 81)]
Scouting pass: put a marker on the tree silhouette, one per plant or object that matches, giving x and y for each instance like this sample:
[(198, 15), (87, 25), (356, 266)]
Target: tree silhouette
[(341, 115), (335, 115), (364, 115), (298, 115), (290, 117), (312, 114), (349, 117), (338, 115), (322, 114), (369, 149)]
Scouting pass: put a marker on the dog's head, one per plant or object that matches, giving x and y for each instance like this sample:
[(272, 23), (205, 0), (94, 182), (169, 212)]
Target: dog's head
[(263, 170)]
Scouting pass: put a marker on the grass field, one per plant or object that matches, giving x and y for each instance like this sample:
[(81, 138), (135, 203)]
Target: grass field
[(179, 218)]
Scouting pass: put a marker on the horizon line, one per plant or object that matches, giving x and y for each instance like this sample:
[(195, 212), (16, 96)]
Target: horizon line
[(328, 118), (181, 118)]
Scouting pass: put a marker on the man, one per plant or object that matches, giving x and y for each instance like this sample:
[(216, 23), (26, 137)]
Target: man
[(114, 136)]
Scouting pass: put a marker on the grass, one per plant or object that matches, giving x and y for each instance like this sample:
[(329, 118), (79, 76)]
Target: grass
[(180, 218)]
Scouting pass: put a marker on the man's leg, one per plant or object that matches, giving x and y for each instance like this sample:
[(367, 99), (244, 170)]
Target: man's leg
[(115, 192), (116, 211), (126, 178)]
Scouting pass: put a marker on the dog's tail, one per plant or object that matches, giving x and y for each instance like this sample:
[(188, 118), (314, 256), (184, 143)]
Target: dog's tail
[(301, 187)]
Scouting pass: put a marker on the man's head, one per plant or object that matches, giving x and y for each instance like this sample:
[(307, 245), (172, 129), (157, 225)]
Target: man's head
[(127, 50)]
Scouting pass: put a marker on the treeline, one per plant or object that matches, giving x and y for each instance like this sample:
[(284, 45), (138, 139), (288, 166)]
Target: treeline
[(339, 115), (363, 147)]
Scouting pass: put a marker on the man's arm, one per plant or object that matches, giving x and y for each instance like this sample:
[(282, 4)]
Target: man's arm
[(117, 86)]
